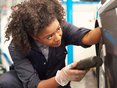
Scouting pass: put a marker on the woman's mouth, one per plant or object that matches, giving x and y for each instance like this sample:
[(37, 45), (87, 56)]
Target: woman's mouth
[(57, 44)]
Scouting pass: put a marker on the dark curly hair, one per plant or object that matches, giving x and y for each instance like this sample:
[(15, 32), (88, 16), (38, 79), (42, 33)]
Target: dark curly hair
[(30, 18)]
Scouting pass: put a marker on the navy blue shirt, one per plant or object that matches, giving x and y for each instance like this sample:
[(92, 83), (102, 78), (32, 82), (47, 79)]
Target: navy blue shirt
[(33, 67)]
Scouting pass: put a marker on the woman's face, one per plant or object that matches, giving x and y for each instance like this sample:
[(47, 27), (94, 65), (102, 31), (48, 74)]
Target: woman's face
[(51, 35)]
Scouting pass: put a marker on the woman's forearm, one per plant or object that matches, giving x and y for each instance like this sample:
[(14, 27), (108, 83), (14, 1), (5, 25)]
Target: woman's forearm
[(49, 83), (92, 37)]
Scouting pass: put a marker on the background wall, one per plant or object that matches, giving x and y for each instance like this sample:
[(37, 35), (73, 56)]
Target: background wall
[(84, 15)]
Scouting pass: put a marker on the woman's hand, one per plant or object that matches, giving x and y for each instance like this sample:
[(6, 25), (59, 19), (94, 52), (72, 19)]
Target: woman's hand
[(69, 73)]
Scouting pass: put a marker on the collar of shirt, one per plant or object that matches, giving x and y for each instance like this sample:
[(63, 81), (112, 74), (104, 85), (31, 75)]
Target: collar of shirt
[(44, 49)]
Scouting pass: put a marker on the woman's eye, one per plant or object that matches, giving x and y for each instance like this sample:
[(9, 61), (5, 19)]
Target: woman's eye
[(49, 37), (59, 29)]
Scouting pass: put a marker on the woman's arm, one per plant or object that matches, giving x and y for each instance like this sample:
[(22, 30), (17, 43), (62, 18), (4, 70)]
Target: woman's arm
[(25, 71), (92, 37), (49, 83)]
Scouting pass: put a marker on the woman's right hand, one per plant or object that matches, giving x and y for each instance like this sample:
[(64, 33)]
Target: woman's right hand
[(69, 73)]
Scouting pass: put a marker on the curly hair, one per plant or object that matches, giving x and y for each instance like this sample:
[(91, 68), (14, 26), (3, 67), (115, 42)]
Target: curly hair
[(30, 18)]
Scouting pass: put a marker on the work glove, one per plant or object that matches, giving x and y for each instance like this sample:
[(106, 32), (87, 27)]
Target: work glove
[(69, 73)]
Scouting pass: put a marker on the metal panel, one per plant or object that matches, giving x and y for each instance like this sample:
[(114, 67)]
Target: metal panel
[(108, 16)]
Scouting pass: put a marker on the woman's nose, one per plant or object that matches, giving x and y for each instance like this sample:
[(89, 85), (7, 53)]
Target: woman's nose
[(57, 37)]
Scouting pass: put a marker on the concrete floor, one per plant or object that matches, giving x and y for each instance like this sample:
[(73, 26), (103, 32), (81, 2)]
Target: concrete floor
[(89, 81)]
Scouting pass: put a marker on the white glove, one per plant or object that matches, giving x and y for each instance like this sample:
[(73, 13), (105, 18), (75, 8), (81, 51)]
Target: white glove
[(68, 73)]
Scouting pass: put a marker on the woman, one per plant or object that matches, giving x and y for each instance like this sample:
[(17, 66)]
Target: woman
[(39, 36)]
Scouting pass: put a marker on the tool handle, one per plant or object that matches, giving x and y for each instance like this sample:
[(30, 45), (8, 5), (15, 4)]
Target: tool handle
[(89, 63)]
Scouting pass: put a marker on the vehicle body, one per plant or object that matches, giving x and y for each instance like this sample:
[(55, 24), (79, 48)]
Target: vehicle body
[(108, 23)]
